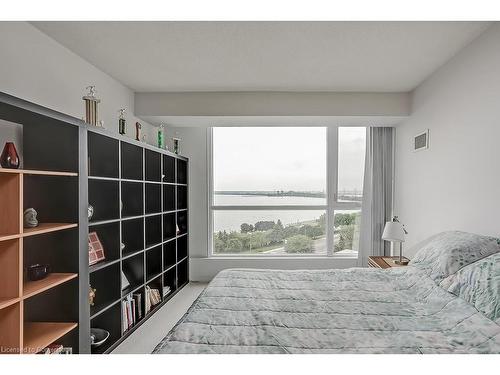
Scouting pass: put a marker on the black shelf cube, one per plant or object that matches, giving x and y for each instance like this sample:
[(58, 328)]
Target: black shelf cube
[(169, 255), (132, 199), (132, 236), (102, 156), (109, 235), (153, 198), (133, 270), (153, 166), (131, 162), (170, 279), (109, 320), (182, 221), (182, 273), (104, 198), (182, 171), (106, 281), (168, 169), (153, 262), (169, 229), (182, 247), (168, 197), (182, 195), (153, 230)]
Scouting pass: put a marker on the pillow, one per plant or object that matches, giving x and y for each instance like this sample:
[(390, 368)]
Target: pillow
[(447, 252), (479, 285)]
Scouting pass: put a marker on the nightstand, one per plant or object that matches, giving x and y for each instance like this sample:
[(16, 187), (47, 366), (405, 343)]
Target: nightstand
[(383, 262)]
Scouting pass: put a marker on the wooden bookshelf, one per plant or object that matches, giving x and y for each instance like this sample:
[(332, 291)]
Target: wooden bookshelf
[(34, 314)]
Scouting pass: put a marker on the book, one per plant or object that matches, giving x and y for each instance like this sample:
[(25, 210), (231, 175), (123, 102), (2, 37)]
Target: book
[(138, 303), (124, 316), (147, 300)]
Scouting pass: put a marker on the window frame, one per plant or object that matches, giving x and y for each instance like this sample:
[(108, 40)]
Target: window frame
[(332, 203)]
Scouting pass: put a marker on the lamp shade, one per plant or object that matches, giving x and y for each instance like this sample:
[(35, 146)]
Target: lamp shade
[(393, 231)]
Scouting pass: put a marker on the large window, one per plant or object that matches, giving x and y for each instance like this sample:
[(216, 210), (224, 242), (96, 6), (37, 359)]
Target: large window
[(278, 191)]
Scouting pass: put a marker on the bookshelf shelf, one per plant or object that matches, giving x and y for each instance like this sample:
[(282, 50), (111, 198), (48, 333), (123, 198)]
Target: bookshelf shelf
[(40, 334), (37, 172), (6, 302), (32, 288), (43, 228)]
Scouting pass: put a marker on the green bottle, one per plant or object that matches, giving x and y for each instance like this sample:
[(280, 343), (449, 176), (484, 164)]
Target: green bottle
[(161, 136)]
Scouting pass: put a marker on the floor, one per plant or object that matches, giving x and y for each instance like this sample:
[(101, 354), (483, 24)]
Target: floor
[(149, 334)]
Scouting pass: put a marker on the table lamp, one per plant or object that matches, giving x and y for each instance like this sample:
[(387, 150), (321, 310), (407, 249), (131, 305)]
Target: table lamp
[(394, 231)]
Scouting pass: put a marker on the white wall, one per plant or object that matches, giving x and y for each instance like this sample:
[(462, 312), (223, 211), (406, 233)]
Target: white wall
[(265, 103), (36, 68), (455, 183)]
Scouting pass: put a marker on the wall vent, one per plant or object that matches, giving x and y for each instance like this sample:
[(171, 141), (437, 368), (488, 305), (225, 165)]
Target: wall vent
[(421, 141)]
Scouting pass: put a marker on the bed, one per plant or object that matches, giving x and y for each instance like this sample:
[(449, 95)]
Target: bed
[(445, 301)]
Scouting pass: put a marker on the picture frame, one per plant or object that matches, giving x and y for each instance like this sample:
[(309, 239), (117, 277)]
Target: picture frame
[(96, 250)]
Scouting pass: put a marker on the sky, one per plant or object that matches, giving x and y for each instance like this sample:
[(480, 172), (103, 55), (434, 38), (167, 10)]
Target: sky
[(284, 158)]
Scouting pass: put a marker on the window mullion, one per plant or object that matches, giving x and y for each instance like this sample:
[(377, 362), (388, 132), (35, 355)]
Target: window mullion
[(332, 180)]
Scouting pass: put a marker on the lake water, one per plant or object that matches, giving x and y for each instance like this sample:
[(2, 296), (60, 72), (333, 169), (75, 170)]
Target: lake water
[(231, 220)]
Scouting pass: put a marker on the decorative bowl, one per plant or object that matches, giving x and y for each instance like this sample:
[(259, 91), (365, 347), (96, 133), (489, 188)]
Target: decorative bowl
[(98, 336)]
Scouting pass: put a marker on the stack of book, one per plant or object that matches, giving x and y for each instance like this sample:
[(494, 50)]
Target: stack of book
[(131, 309), (152, 298)]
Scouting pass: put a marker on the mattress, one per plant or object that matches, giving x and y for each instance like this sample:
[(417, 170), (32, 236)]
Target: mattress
[(357, 310)]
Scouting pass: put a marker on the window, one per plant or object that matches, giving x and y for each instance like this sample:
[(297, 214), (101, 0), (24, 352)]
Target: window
[(269, 193)]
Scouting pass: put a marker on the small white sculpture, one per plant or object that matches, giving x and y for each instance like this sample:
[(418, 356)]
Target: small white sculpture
[(30, 220)]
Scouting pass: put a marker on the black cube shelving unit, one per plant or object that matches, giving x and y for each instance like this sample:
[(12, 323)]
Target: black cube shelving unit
[(139, 197)]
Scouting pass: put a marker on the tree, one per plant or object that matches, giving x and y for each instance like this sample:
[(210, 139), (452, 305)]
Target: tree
[(344, 219), (346, 236), (234, 244), (306, 230), (262, 226), (290, 230), (322, 221), (257, 240), (278, 225), (316, 231), (275, 235), (219, 245), (299, 244), (246, 228)]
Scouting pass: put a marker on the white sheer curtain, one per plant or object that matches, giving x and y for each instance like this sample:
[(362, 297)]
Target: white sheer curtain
[(377, 193)]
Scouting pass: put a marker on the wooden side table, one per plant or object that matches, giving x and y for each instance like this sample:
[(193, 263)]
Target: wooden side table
[(384, 262)]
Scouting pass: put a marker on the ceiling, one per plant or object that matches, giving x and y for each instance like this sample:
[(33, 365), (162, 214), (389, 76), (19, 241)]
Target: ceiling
[(266, 56)]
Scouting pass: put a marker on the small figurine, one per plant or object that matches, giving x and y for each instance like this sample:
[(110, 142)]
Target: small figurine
[(176, 145), (91, 295), (121, 121), (30, 220), (138, 127), (90, 212), (91, 106), (161, 136)]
